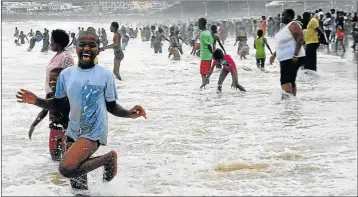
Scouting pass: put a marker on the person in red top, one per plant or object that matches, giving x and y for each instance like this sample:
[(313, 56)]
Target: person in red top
[(340, 38), (228, 66), (263, 24)]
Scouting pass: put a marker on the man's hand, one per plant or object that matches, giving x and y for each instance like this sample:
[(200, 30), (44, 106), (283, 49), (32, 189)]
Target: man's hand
[(138, 111), (294, 59), (272, 59), (25, 96), (238, 86)]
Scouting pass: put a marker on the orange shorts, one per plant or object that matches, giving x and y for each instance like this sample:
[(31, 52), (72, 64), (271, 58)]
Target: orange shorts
[(205, 66)]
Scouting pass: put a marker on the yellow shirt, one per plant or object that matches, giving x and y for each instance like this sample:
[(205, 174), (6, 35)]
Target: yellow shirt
[(96, 60), (310, 34)]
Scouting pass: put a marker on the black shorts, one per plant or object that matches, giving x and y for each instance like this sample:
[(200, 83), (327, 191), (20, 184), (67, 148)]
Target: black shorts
[(118, 55), (70, 141), (289, 71)]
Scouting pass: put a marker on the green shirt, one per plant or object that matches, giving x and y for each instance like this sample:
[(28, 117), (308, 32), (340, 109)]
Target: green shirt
[(205, 39), (260, 48)]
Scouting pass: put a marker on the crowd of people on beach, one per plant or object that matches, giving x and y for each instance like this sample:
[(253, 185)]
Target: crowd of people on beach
[(79, 95)]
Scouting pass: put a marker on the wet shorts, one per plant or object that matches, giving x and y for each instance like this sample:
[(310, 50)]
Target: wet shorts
[(69, 140), (289, 71), (56, 140), (205, 66), (118, 55)]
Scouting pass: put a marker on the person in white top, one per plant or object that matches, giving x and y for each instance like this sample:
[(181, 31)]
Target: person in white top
[(289, 51), (327, 26)]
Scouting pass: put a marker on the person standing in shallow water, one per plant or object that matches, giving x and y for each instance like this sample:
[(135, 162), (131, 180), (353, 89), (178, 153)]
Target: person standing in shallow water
[(116, 46), (16, 34), (22, 37), (91, 92), (289, 51), (206, 50)]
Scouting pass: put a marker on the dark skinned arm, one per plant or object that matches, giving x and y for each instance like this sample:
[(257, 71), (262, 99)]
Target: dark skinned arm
[(210, 48), (221, 45), (183, 40), (298, 36), (115, 44), (39, 117), (70, 43), (52, 104), (117, 110), (319, 30), (267, 45), (166, 38)]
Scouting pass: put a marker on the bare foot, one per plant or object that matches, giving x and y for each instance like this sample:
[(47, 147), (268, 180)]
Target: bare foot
[(110, 169)]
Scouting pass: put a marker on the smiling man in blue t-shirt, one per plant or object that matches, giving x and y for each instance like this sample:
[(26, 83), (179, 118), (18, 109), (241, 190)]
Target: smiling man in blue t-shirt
[(89, 90)]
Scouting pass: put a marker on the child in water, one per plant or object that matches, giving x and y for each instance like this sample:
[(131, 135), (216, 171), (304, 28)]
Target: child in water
[(244, 51), (241, 38), (17, 43), (58, 122), (259, 45), (228, 66), (340, 38), (175, 52)]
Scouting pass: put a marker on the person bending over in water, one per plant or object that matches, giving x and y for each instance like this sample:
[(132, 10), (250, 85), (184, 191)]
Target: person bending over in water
[(37, 37), (58, 121), (90, 91), (175, 52), (228, 66), (116, 46)]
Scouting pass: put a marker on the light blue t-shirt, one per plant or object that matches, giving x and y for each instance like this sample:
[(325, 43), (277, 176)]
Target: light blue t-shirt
[(87, 91)]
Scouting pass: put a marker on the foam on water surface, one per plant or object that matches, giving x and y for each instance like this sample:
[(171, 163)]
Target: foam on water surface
[(193, 142)]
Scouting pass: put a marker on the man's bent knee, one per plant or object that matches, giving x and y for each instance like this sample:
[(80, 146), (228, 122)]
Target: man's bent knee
[(67, 170)]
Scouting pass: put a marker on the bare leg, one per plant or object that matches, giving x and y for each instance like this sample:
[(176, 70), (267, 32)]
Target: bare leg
[(117, 64), (76, 161), (203, 78), (287, 87), (294, 91)]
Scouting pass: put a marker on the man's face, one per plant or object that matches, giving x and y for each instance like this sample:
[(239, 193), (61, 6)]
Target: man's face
[(87, 49)]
